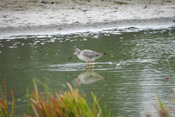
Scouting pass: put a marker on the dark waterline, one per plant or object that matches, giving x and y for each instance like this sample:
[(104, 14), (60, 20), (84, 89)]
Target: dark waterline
[(129, 76)]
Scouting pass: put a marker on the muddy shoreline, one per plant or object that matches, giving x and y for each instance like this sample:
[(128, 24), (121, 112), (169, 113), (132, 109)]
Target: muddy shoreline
[(38, 19), (154, 23)]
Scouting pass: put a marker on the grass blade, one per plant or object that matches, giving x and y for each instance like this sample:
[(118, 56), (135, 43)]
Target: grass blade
[(160, 102), (13, 114)]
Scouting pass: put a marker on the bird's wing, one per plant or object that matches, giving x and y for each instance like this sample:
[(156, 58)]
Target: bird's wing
[(90, 53)]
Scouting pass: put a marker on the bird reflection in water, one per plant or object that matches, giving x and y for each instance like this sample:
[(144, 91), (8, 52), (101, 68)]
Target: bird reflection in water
[(89, 77)]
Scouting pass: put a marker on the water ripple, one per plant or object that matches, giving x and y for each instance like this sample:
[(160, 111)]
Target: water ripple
[(99, 66), (80, 66)]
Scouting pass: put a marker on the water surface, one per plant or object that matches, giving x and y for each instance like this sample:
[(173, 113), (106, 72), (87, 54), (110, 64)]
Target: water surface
[(128, 77)]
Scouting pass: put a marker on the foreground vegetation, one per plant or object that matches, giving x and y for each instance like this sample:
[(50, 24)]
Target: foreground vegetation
[(66, 104), (53, 104)]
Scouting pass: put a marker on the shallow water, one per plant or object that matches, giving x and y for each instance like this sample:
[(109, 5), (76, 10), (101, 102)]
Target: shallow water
[(128, 77)]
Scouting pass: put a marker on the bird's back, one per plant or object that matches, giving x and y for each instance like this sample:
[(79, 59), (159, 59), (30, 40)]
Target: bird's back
[(91, 54)]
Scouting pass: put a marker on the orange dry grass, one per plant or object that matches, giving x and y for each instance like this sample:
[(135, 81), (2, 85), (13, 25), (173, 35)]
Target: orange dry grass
[(67, 104), (70, 103), (4, 109)]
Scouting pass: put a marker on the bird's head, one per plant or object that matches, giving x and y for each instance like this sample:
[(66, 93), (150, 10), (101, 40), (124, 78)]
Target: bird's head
[(76, 52)]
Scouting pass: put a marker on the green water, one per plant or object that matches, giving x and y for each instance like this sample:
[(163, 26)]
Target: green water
[(128, 77)]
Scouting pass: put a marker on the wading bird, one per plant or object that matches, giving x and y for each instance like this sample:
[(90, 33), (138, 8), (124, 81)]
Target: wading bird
[(87, 55)]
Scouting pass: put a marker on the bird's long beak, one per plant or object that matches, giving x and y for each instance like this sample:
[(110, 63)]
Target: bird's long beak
[(71, 57)]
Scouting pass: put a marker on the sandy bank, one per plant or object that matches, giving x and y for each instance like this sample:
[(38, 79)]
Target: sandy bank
[(37, 18)]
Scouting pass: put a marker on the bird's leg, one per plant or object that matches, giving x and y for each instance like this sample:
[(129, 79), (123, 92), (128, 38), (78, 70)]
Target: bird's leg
[(93, 65), (88, 65)]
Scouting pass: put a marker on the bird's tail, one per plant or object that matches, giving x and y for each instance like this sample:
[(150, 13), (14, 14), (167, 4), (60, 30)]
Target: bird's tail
[(104, 53)]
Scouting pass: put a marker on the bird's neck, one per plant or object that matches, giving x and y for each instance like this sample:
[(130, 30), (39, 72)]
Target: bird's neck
[(79, 52)]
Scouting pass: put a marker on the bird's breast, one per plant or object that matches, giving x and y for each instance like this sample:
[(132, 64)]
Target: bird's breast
[(84, 58)]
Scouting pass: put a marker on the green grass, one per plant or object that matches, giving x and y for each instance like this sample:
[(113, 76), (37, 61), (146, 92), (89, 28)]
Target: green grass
[(4, 108), (170, 68), (53, 104), (69, 103), (162, 109)]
